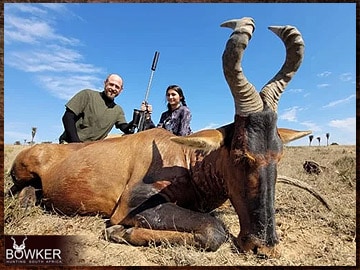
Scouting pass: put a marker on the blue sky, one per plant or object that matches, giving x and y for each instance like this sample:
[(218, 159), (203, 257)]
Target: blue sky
[(54, 50)]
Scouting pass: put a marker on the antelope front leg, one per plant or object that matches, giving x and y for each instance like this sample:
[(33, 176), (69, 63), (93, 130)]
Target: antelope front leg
[(170, 223)]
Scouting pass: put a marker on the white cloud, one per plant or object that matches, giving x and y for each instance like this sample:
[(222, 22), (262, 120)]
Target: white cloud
[(340, 101), (297, 90), (324, 74), (290, 114), (65, 87), (47, 53), (31, 28), (62, 60), (33, 31), (210, 126), (55, 7), (348, 124), (311, 126), (345, 77), (323, 85), (26, 8)]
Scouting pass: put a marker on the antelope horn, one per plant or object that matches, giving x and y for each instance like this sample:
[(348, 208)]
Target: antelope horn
[(247, 100), (303, 185), (294, 44)]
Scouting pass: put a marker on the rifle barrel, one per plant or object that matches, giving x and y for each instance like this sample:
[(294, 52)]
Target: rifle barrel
[(153, 67)]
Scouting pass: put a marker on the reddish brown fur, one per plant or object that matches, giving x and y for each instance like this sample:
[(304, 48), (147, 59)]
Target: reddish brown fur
[(77, 179), (38, 160), (157, 189)]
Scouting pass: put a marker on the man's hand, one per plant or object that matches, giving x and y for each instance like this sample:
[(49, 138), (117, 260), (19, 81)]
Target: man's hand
[(146, 107)]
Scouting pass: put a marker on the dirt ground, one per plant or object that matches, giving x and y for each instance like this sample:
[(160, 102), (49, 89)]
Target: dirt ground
[(310, 234)]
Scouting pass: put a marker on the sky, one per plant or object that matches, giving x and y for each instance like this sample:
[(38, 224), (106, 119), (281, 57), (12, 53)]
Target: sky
[(52, 51)]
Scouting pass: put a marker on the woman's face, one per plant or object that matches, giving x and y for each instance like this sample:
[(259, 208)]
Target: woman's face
[(173, 98)]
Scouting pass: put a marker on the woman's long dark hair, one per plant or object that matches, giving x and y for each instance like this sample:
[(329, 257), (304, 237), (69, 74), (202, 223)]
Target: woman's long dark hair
[(178, 90)]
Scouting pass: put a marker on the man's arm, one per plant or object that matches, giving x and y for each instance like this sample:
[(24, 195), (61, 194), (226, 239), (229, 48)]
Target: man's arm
[(127, 128), (69, 120)]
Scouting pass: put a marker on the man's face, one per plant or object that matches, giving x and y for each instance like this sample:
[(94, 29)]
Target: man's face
[(113, 86)]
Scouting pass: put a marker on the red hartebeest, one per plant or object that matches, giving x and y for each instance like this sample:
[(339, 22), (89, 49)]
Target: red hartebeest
[(154, 186)]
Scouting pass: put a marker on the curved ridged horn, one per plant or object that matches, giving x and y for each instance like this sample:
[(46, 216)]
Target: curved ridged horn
[(294, 44), (247, 99)]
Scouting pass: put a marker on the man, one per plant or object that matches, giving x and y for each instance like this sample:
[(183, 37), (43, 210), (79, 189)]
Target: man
[(90, 115)]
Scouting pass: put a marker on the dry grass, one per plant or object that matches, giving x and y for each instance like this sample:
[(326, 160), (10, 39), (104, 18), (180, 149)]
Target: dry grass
[(309, 233)]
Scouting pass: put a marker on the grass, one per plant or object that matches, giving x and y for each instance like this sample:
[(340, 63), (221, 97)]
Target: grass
[(309, 233)]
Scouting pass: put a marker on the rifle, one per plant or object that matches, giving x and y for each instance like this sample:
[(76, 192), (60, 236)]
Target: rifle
[(139, 115)]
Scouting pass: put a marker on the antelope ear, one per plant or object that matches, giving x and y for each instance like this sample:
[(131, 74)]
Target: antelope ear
[(288, 135), (207, 140)]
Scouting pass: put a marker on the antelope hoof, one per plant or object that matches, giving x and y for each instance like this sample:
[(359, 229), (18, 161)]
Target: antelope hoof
[(27, 197), (268, 252), (258, 247), (116, 233)]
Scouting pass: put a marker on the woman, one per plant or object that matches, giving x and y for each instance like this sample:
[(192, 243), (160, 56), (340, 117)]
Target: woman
[(178, 116)]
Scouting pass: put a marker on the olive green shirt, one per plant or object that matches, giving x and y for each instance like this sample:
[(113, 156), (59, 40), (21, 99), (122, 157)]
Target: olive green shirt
[(97, 119)]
